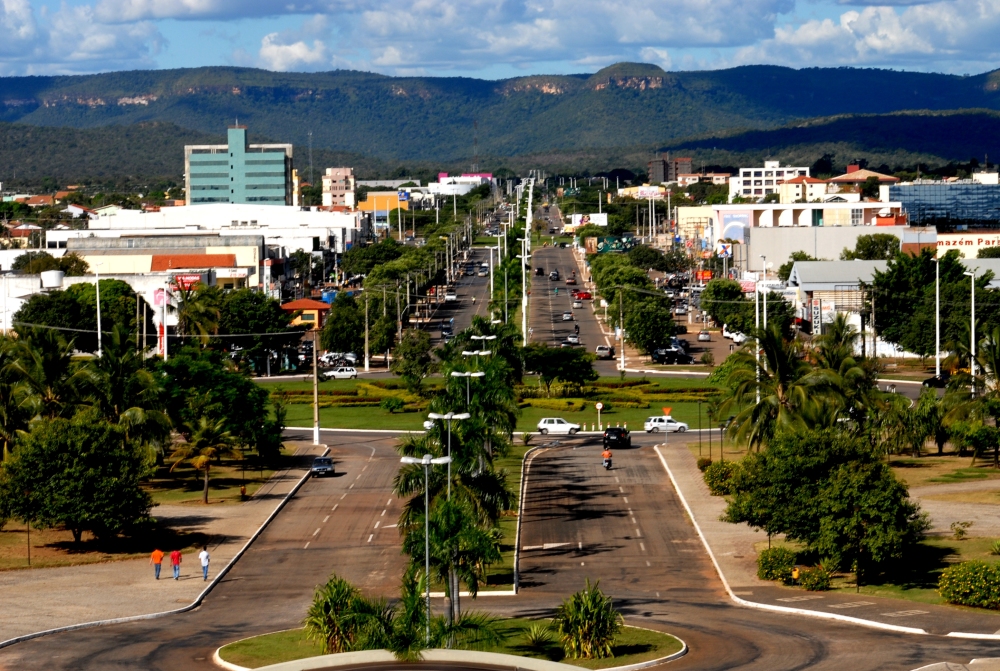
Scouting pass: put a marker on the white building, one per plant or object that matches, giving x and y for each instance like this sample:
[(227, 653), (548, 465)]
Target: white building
[(457, 186), (759, 182), (338, 187), (286, 228)]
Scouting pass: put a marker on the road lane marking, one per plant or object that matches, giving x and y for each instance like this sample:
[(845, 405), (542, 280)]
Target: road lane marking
[(616, 479), (621, 490), (334, 509), (638, 533), (647, 563), (852, 604), (377, 523), (383, 514), (642, 546), (371, 537), (633, 521), (326, 519), (351, 487), (316, 532), (388, 502), (544, 546), (625, 499), (905, 613), (579, 545), (390, 526), (363, 469), (343, 495), (791, 599), (306, 547)]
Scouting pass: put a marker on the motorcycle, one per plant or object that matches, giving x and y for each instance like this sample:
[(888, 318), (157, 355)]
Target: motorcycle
[(607, 464)]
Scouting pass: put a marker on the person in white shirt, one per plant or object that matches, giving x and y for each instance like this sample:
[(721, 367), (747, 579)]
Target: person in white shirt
[(203, 556)]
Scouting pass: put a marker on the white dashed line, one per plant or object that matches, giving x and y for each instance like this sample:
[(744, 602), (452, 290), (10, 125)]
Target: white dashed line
[(383, 514), (306, 547), (316, 532), (647, 563), (616, 479), (642, 546), (326, 519), (352, 486), (371, 537), (579, 545), (638, 533), (625, 499), (377, 523), (621, 490), (390, 526), (388, 502), (852, 604), (343, 495), (633, 521), (334, 509)]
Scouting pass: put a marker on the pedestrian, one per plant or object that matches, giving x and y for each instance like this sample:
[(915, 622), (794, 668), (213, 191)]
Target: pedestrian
[(203, 556), (175, 561), (156, 559)]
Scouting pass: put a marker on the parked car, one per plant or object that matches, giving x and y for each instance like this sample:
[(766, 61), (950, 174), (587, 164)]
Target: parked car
[(664, 423), (605, 352), (322, 466), (567, 316), (704, 336), (341, 373), (726, 333), (617, 437), (680, 310), (557, 426), (577, 304), (739, 338), (671, 356)]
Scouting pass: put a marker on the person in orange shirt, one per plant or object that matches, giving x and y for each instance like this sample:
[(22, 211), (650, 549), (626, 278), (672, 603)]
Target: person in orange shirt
[(156, 559)]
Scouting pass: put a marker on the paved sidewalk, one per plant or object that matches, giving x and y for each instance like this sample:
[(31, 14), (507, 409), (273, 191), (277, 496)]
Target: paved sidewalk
[(732, 545), (40, 599)]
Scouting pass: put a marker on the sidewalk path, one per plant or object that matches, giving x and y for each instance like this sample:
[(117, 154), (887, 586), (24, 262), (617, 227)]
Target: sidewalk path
[(732, 545), (984, 516), (40, 599)]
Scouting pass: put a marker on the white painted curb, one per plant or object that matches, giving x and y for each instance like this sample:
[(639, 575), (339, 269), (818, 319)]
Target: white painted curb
[(520, 513), (769, 607), (191, 606)]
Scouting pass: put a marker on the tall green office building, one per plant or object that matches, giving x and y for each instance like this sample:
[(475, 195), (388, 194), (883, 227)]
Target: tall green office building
[(248, 174)]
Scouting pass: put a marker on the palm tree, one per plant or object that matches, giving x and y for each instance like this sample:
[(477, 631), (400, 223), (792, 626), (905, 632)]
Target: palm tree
[(588, 623), (55, 385), (209, 442), (12, 394), (198, 312), (782, 380)]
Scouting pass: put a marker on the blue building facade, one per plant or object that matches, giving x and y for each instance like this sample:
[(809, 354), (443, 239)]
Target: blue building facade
[(238, 172), (950, 205)]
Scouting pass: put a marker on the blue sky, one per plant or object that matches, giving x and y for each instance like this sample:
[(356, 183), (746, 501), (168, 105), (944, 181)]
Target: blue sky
[(495, 38)]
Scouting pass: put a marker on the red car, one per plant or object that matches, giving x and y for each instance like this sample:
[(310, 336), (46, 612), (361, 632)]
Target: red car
[(583, 295)]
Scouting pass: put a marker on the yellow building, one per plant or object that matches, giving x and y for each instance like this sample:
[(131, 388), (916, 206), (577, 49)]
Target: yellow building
[(383, 200), (310, 312)]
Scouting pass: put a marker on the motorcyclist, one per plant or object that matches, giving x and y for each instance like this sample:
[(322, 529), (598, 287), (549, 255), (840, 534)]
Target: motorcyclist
[(576, 327), (606, 455)]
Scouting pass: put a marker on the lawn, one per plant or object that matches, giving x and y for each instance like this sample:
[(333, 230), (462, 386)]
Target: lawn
[(633, 645), (915, 579), (945, 469), (185, 484)]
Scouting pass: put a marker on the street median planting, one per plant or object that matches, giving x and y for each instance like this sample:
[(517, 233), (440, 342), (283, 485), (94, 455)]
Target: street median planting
[(972, 583)]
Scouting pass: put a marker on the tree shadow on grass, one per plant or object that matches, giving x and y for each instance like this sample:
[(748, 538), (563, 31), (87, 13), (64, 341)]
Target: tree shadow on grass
[(141, 540)]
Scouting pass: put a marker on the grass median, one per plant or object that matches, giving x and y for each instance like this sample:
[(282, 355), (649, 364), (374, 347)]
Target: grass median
[(633, 646)]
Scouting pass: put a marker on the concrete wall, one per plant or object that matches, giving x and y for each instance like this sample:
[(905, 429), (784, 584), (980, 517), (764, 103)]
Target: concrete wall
[(821, 242)]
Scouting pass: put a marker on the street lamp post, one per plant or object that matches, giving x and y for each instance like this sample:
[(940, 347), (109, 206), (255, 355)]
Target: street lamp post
[(449, 417), (97, 285), (937, 318), (524, 256), (972, 329), (426, 462), (467, 375)]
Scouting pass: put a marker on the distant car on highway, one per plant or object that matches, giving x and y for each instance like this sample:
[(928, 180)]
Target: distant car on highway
[(664, 423), (554, 276), (567, 316), (584, 295), (483, 272), (573, 339), (450, 296), (605, 352), (557, 426), (937, 382), (539, 271), (704, 336), (577, 304), (341, 373), (570, 280), (322, 466), (680, 310)]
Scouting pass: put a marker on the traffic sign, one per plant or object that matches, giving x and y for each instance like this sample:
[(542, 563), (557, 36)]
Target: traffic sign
[(599, 405)]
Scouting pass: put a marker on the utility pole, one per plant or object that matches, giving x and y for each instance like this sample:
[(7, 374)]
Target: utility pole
[(315, 388), (367, 357)]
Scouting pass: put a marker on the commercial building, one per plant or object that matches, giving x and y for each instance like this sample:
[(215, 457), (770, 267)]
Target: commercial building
[(238, 172), (668, 169), (759, 182), (460, 185), (307, 311), (338, 187), (951, 206), (801, 189)]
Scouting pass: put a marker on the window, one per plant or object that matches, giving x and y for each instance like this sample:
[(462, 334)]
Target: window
[(757, 173), (265, 174), (746, 191), (307, 317), (768, 174), (205, 175), (768, 182), (757, 192), (857, 217), (758, 182)]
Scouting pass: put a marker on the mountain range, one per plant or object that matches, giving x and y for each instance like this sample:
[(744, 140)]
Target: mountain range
[(622, 112)]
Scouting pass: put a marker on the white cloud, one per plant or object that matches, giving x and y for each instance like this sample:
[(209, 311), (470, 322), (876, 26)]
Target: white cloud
[(289, 50), (954, 31), (17, 25), (658, 56), (136, 10)]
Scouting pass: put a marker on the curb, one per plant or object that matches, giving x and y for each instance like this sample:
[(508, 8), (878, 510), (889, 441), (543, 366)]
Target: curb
[(520, 510), (779, 609), (392, 431), (191, 606)]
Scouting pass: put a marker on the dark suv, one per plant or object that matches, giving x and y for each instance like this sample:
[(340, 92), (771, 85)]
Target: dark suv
[(671, 356), (617, 437)]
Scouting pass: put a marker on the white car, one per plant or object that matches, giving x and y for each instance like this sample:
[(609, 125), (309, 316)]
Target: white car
[(450, 297), (664, 423), (704, 336), (739, 338), (557, 426), (341, 373), (726, 333), (567, 316), (573, 339), (577, 304)]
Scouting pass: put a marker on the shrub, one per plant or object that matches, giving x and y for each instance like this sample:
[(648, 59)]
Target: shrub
[(588, 624), (538, 636), (703, 463), (815, 579), (719, 477), (995, 548), (960, 529), (708, 359), (971, 583), (392, 404), (776, 564)]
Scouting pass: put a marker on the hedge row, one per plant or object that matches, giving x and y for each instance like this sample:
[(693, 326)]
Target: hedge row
[(341, 400), (972, 583), (322, 392)]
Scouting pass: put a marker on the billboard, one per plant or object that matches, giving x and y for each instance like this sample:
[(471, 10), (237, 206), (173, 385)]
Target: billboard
[(608, 244), (649, 192), (735, 225), (188, 281), (597, 219), (703, 276)]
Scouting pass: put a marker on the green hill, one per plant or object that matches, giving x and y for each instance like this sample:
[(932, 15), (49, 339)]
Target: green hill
[(425, 118)]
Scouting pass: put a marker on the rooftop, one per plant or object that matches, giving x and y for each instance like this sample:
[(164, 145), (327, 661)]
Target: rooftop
[(305, 304), (861, 176)]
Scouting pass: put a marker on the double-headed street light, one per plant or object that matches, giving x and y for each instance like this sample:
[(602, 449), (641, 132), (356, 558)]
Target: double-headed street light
[(426, 462), (524, 290), (468, 375), (972, 328), (449, 417)]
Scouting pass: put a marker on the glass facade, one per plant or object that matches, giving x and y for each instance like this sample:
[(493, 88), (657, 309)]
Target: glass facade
[(239, 172), (950, 206)]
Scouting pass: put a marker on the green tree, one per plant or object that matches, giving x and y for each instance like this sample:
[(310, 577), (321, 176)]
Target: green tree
[(724, 301), (198, 311), (244, 312), (412, 358), (362, 259), (39, 262), (54, 384), (81, 473), (988, 253), (870, 189), (344, 330), (588, 624), (867, 518), (13, 415), (566, 364), (208, 441), (874, 247), (649, 324), (785, 269)]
